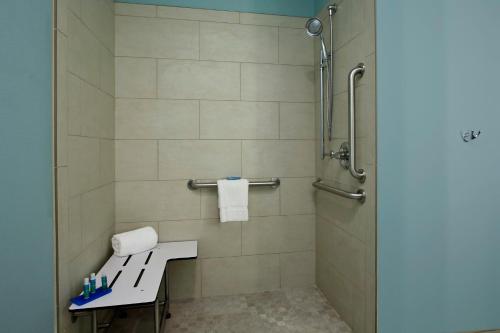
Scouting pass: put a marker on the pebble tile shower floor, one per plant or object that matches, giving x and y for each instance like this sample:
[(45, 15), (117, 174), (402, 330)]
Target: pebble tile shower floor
[(303, 310)]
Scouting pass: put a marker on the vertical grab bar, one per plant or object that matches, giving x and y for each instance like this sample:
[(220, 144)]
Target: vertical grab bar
[(359, 174)]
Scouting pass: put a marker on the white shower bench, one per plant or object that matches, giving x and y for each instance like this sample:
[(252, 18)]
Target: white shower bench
[(135, 281)]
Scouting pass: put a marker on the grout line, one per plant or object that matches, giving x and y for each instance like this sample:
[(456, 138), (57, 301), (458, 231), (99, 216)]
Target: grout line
[(199, 40), (218, 61), (279, 32), (156, 73), (216, 100), (241, 80), (158, 159), (279, 120), (199, 120)]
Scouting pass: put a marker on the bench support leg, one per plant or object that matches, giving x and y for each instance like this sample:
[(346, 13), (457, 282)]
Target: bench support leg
[(167, 294), (94, 321), (157, 315)]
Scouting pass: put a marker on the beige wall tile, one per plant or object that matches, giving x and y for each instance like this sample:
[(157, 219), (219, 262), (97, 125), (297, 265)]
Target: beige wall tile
[(106, 161), (297, 121), (128, 226), (347, 214), (239, 120), (74, 237), (97, 112), (83, 169), (136, 160), (75, 6), (62, 16), (275, 234), (135, 77), (107, 71), (184, 79), (297, 269), (278, 158), (185, 278), (135, 10), (84, 51), (215, 239), (99, 17), (359, 314), (239, 275), (272, 20), (236, 42), (261, 202), (156, 38), (62, 101), (185, 159), (74, 101), (340, 116), (262, 82), (97, 213), (156, 119), (297, 196), (198, 14), (155, 201), (85, 127), (343, 19), (295, 47)]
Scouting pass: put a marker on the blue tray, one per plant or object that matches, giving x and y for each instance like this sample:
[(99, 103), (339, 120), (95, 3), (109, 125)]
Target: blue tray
[(80, 300)]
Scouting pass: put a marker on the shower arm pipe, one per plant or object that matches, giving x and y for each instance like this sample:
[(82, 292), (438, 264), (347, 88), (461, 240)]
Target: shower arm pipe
[(321, 109), (359, 174)]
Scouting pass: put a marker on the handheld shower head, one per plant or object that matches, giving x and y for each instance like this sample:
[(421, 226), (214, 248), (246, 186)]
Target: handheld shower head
[(314, 28)]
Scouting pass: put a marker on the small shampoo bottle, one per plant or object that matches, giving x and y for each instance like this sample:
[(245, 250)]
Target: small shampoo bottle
[(86, 288), (104, 281), (92, 283)]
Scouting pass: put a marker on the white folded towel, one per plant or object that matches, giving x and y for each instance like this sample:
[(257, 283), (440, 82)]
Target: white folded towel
[(135, 241), (233, 200)]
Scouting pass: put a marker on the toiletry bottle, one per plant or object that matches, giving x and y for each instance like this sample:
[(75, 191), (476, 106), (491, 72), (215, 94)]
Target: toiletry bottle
[(92, 283), (104, 281), (86, 288)]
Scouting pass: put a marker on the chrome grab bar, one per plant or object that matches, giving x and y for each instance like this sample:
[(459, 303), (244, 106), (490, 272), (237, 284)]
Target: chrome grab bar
[(359, 174), (195, 184), (360, 195)]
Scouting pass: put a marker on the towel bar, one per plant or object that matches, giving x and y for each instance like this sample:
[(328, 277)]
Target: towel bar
[(359, 195), (194, 184)]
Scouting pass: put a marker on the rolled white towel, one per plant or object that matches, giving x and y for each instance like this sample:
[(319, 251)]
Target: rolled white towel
[(135, 241)]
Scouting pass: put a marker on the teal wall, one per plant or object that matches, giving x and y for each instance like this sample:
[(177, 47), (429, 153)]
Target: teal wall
[(438, 197), (26, 227), (278, 7), (318, 5)]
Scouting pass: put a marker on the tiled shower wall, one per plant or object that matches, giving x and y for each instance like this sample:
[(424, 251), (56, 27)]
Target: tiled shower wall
[(85, 149), (345, 229), (208, 94)]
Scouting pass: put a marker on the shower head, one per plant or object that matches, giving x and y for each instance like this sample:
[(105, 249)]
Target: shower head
[(314, 27)]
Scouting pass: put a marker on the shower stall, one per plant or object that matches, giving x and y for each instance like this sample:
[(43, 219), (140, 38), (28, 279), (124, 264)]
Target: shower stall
[(157, 102)]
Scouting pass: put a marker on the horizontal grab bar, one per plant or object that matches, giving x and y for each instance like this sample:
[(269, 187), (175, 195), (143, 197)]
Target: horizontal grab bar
[(359, 195), (194, 184)]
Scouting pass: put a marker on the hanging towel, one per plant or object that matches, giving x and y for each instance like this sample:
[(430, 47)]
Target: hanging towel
[(233, 200), (135, 241)]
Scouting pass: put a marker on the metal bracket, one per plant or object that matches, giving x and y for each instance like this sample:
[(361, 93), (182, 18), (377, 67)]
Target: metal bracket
[(343, 155)]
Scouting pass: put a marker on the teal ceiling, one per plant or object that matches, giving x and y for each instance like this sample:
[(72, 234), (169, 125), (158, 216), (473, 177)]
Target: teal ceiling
[(278, 7)]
